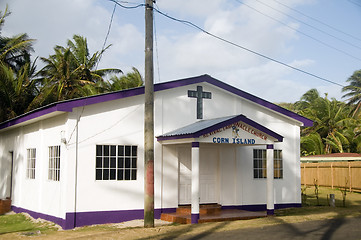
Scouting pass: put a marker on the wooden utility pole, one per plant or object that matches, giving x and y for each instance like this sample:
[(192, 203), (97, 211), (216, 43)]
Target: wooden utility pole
[(149, 119)]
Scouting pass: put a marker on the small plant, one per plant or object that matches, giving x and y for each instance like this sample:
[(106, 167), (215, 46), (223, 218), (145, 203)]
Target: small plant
[(304, 195), (344, 193), (315, 183)]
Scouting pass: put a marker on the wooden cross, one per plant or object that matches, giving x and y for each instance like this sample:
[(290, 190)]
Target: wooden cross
[(199, 94)]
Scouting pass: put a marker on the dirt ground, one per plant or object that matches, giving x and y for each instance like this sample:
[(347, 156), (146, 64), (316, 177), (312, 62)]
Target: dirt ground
[(327, 227)]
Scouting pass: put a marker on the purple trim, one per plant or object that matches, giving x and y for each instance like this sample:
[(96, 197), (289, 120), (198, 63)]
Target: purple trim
[(195, 144), (79, 219), (34, 114), (35, 215), (90, 218), (101, 217), (70, 221), (158, 212), (270, 212), (67, 106), (270, 146), (307, 122), (194, 218), (220, 125), (262, 207)]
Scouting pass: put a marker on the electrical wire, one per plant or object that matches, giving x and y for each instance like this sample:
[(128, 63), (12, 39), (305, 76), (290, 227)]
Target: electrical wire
[(107, 35), (119, 3), (319, 21), (309, 25), (305, 34), (355, 3), (244, 48), (231, 43)]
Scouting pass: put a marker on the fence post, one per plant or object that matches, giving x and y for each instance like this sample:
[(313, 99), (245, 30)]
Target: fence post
[(331, 176), (350, 175), (304, 174)]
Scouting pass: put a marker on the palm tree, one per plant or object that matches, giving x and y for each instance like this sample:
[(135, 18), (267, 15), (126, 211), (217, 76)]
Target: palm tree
[(14, 51), (116, 83), (354, 91), (86, 64), (69, 70), (312, 144), (130, 80), (331, 119), (17, 90)]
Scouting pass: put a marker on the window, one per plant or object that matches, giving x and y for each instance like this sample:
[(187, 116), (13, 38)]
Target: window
[(116, 162), (30, 159), (278, 164), (54, 163), (260, 164)]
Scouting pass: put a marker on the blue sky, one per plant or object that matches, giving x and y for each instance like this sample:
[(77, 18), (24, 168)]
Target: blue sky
[(269, 27)]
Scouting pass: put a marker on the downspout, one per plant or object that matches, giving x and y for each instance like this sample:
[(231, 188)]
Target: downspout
[(11, 174), (76, 169)]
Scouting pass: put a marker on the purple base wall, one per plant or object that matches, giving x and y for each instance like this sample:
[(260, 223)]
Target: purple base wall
[(262, 207), (194, 218), (79, 219), (36, 215)]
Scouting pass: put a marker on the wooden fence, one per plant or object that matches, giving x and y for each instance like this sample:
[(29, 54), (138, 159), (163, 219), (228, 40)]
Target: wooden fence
[(332, 174)]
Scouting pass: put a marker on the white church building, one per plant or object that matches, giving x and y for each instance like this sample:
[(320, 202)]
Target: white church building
[(81, 162)]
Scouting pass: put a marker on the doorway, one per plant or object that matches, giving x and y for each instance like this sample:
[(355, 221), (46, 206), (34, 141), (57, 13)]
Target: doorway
[(208, 175)]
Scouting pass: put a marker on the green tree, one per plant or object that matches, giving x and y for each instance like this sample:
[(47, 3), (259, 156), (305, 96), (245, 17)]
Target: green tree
[(17, 89), (14, 51), (85, 65), (69, 70), (116, 83), (331, 122), (130, 80), (353, 90)]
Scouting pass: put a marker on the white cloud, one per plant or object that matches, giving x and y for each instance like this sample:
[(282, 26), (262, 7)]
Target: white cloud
[(183, 51), (52, 22)]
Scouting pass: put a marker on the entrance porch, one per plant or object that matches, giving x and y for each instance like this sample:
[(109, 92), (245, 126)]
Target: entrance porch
[(210, 213), (210, 169)]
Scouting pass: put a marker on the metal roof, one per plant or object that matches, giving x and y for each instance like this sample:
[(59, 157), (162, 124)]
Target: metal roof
[(202, 127), (197, 126)]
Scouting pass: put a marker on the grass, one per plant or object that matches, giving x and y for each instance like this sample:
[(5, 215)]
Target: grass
[(14, 226), (15, 223)]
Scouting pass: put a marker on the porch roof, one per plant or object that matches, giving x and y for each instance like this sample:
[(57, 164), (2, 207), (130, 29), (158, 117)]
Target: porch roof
[(197, 129)]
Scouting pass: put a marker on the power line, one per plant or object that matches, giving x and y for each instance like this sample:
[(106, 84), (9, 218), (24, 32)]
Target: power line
[(107, 35), (244, 48), (309, 25), (233, 44), (119, 3), (355, 3), (305, 34), (319, 21)]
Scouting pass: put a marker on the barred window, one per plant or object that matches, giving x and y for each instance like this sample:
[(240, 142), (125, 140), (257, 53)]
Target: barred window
[(31, 160), (54, 163), (116, 162), (278, 164), (260, 164)]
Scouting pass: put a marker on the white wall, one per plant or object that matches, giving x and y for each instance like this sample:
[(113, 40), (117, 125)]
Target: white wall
[(237, 185), (39, 194), (120, 122)]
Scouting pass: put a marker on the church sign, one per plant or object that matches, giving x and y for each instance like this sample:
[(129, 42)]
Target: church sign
[(236, 133)]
